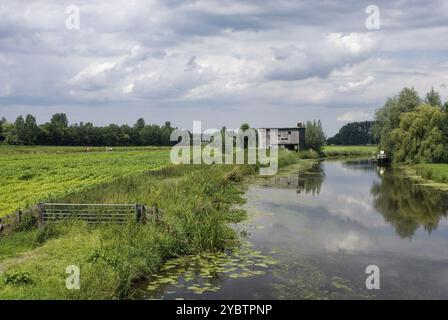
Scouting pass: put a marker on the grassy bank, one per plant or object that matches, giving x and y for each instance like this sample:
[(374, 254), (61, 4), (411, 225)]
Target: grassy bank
[(197, 203), (429, 174), (437, 172), (349, 151)]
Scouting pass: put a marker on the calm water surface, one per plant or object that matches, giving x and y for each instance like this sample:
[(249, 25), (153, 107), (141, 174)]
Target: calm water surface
[(319, 230)]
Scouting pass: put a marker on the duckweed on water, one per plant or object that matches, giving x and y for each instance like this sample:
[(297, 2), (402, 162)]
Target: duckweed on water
[(299, 278), (204, 272)]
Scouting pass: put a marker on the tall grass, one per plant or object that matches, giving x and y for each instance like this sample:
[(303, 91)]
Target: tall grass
[(348, 151), (437, 172)]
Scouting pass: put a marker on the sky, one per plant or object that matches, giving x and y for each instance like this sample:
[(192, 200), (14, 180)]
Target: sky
[(223, 62)]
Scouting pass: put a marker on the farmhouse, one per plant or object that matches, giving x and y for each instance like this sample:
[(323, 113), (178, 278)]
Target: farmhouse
[(292, 138)]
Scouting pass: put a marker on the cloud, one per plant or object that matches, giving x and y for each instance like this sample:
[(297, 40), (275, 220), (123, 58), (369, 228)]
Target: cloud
[(239, 59), (354, 116), (356, 85), (319, 60)]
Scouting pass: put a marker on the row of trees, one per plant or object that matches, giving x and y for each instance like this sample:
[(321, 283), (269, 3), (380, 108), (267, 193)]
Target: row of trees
[(25, 131), (355, 133), (412, 129), (58, 132)]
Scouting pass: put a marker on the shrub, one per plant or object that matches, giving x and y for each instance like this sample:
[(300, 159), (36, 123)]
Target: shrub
[(18, 278), (235, 175)]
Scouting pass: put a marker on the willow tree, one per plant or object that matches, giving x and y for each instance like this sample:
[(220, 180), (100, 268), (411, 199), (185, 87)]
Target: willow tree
[(421, 136), (387, 118)]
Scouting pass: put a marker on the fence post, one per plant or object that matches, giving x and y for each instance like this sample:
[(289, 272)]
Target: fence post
[(40, 217), (143, 214), (156, 213), (138, 212)]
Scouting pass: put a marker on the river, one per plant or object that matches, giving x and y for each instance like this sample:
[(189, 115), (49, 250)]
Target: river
[(312, 234)]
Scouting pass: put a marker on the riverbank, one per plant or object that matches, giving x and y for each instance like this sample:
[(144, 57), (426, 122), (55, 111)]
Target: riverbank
[(349, 151), (198, 205), (433, 175), (336, 152)]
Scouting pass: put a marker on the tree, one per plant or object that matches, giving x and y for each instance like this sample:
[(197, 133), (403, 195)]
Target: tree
[(433, 98), (111, 135), (166, 129), (243, 128), (18, 133), (59, 132), (151, 135), (387, 118), (31, 132), (2, 132), (140, 124), (421, 136), (24, 131), (8, 133), (354, 133), (445, 107), (314, 135), (57, 129), (126, 135)]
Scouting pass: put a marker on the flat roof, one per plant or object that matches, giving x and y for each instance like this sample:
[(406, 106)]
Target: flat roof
[(290, 128)]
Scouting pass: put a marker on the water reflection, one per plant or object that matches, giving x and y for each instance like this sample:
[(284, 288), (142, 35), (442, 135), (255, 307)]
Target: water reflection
[(403, 204), (407, 206), (359, 164), (309, 181)]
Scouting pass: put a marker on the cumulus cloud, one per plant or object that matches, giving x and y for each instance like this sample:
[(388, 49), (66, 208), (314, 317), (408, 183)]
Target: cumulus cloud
[(356, 85), (353, 116), (320, 58)]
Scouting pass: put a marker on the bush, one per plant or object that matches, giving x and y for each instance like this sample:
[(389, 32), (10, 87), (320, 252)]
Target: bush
[(18, 278), (309, 154), (235, 175)]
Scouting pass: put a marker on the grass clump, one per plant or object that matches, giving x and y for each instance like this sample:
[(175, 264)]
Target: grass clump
[(18, 278)]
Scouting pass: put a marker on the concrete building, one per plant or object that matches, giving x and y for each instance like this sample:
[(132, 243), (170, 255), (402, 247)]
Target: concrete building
[(292, 138)]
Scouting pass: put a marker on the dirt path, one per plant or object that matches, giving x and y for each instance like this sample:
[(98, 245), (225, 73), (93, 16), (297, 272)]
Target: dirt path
[(4, 265)]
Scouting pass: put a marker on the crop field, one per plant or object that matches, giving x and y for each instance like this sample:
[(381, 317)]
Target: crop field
[(32, 175), (8, 150)]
